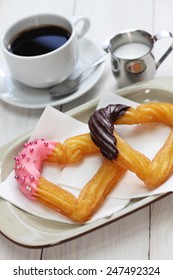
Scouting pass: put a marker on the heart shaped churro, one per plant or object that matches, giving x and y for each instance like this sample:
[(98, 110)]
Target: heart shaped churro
[(28, 165), (104, 135)]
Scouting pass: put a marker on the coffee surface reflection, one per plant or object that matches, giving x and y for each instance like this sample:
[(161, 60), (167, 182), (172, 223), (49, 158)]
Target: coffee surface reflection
[(39, 40)]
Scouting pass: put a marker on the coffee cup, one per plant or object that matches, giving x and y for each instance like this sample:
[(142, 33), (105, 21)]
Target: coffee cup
[(132, 58), (42, 50)]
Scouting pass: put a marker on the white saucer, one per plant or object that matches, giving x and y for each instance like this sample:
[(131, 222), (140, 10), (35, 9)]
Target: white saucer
[(17, 94)]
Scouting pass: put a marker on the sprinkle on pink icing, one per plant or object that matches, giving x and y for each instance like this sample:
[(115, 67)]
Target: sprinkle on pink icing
[(28, 164)]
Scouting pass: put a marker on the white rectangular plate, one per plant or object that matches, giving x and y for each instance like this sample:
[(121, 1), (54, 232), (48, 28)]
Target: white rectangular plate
[(30, 231)]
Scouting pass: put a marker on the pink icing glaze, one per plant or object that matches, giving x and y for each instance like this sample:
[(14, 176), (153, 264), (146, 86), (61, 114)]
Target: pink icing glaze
[(28, 165)]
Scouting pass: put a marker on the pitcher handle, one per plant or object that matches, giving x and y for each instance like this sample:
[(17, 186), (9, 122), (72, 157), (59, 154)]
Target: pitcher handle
[(161, 35)]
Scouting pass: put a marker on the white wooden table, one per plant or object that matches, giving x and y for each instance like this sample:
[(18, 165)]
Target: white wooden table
[(148, 233)]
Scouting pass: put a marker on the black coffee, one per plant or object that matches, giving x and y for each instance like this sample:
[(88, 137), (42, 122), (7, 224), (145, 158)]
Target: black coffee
[(39, 40)]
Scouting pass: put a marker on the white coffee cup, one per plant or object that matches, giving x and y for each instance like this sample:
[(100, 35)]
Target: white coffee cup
[(44, 70)]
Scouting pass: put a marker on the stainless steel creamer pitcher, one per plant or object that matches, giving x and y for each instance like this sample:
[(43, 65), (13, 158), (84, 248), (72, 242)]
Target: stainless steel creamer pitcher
[(132, 59)]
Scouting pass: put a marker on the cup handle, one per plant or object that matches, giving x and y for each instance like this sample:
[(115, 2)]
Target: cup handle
[(85, 25), (161, 35)]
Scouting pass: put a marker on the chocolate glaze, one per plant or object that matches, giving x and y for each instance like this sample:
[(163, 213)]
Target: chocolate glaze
[(101, 125)]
